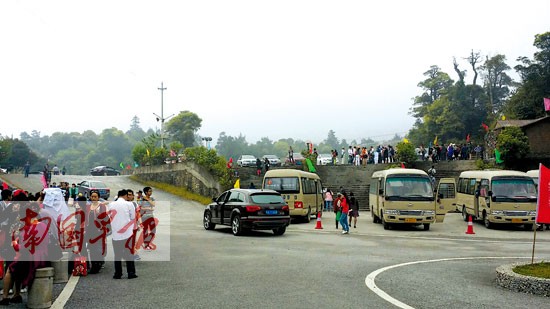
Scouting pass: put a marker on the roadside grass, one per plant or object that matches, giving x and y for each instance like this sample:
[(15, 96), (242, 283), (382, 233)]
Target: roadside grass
[(540, 270), (181, 192)]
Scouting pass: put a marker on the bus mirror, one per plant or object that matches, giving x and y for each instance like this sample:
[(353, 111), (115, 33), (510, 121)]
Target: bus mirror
[(380, 192)]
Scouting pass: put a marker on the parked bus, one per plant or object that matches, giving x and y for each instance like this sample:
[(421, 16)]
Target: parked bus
[(302, 191), (535, 175), (497, 196), (406, 196)]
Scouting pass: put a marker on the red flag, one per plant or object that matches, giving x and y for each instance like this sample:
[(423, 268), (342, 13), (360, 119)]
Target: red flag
[(543, 204), (547, 104), (468, 138), (486, 127), (402, 165), (230, 163)]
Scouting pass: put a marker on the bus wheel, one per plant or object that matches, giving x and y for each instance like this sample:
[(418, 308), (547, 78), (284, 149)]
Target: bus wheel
[(307, 219), (486, 221), (384, 223), (426, 226), (373, 217), (464, 214)]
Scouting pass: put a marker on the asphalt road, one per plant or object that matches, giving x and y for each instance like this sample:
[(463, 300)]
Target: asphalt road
[(309, 268)]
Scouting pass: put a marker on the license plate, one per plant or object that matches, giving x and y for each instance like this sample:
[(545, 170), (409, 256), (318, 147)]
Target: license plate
[(410, 220), (271, 212), (517, 221)]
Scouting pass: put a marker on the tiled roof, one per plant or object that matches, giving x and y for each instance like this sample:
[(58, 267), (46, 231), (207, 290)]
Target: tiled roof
[(516, 123)]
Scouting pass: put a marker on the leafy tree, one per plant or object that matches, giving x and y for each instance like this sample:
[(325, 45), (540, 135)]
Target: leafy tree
[(331, 140), (405, 153), (513, 146), (232, 147), (182, 128), (526, 102), (496, 82), (135, 133), (434, 86)]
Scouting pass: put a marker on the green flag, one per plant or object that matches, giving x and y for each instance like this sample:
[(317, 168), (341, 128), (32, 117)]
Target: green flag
[(310, 166), (121, 165), (498, 160)]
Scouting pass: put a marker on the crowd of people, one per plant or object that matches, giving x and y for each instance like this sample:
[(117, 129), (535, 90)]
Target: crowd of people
[(36, 228)]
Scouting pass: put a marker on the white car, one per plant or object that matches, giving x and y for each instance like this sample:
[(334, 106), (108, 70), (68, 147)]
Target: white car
[(273, 160), (246, 160), (324, 159), (3, 170)]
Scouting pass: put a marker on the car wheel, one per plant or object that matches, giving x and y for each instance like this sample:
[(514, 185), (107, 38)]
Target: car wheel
[(236, 227), (207, 221), (426, 226), (464, 214), (279, 231), (486, 221), (528, 227)]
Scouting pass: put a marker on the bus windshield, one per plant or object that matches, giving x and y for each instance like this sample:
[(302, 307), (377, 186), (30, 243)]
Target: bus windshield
[(409, 188), (514, 190), (282, 184)]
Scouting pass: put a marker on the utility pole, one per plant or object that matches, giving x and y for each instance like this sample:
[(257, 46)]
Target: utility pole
[(161, 117)]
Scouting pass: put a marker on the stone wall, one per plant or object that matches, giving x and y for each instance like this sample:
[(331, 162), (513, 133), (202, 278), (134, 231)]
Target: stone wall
[(189, 175)]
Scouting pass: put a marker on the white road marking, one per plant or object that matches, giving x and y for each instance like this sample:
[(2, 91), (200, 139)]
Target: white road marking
[(68, 290), (369, 280)]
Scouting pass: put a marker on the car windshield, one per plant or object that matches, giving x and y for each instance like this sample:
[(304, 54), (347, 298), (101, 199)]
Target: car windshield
[(409, 188), (514, 189), (282, 184), (270, 157), (97, 184), (325, 155), (246, 157), (267, 198)]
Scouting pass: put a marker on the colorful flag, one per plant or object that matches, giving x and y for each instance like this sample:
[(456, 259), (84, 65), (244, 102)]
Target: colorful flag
[(503, 117), (486, 127), (172, 153), (406, 141), (543, 201), (498, 160), (148, 152), (230, 163), (121, 165), (136, 164), (402, 165), (435, 140), (547, 104), (237, 184), (468, 138)]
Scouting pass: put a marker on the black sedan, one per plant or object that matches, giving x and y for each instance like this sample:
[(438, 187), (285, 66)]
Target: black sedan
[(104, 171), (248, 209)]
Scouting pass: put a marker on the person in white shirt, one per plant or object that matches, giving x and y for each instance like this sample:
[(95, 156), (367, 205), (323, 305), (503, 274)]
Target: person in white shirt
[(123, 216)]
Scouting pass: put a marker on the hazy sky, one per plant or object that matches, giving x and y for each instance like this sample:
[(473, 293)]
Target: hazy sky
[(272, 69)]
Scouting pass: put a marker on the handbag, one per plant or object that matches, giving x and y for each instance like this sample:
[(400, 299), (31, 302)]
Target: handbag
[(80, 266)]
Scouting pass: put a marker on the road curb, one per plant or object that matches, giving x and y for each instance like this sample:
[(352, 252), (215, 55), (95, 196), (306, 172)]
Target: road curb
[(508, 279)]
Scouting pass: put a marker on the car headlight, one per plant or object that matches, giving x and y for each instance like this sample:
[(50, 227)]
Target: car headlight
[(497, 212), (532, 213), (391, 212), (429, 212)]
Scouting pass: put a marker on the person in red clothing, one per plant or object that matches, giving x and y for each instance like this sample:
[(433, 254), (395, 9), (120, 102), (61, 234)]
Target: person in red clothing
[(344, 202)]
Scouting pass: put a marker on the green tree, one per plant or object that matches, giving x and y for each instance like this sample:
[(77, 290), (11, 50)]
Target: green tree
[(331, 140), (182, 128), (526, 102), (405, 153), (232, 147), (434, 86), (513, 146), (496, 82)]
